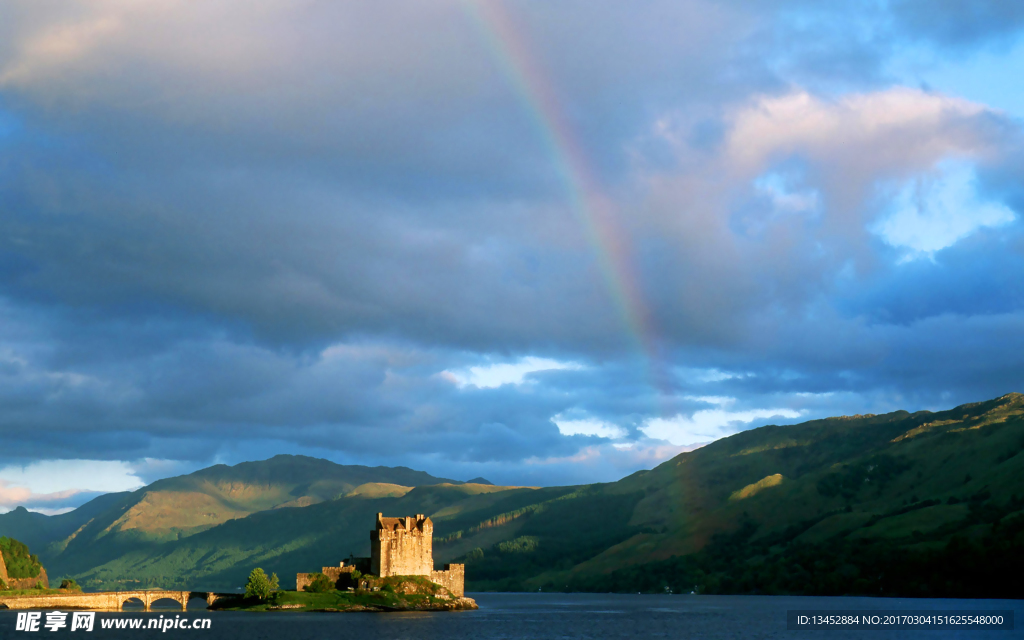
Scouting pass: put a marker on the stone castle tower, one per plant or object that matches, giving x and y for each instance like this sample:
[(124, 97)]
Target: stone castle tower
[(398, 547), (402, 546), (405, 547)]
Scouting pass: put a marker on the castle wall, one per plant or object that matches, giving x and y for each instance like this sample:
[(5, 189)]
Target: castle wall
[(453, 578), (341, 576), (402, 547), (375, 552)]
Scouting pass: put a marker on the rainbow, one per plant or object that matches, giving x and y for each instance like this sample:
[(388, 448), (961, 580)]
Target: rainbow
[(591, 208)]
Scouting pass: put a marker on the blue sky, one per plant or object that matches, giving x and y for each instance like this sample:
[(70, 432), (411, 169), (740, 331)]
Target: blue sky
[(231, 230)]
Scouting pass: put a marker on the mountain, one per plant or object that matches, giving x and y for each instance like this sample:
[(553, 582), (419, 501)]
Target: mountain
[(284, 540), (900, 504), (38, 530), (924, 503), (175, 508)]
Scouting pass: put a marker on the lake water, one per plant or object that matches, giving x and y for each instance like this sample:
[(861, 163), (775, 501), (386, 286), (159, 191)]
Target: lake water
[(511, 616)]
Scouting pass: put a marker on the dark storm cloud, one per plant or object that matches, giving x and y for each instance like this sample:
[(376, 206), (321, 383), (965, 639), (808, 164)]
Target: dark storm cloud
[(227, 233)]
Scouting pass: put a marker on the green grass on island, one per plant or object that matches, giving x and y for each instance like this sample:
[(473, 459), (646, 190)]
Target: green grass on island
[(36, 592), (404, 593)]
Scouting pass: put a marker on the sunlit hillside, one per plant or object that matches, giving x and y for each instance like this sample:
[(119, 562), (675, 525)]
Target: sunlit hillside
[(819, 507)]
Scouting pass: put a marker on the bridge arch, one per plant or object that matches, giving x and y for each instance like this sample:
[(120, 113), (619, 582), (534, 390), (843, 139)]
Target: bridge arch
[(166, 601), (197, 601), (132, 601)]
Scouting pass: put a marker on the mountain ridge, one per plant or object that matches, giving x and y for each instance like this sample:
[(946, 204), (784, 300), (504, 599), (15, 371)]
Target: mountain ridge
[(897, 486), (174, 508)]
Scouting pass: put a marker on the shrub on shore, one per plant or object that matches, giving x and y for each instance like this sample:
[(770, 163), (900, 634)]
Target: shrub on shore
[(319, 584)]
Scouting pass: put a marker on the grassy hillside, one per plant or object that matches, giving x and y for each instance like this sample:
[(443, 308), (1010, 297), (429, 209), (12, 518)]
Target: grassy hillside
[(139, 522), (914, 504), (284, 541), (37, 530), (828, 506), (178, 507)]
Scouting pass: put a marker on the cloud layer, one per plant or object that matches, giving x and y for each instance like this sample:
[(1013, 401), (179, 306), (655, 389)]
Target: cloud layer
[(229, 230)]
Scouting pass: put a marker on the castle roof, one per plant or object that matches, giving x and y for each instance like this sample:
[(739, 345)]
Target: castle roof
[(391, 523)]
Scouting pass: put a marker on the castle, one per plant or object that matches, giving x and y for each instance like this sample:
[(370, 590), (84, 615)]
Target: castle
[(398, 547), (402, 546)]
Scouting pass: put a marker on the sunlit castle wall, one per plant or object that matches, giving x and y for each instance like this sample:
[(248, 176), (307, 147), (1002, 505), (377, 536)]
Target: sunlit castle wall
[(402, 546)]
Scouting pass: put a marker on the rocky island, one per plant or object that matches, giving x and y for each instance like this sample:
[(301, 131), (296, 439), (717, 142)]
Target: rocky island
[(399, 575), (404, 593)]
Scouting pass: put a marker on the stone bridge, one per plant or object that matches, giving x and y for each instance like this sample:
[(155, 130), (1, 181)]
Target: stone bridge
[(107, 600)]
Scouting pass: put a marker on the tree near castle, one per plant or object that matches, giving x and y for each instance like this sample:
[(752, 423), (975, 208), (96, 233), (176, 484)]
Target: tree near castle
[(259, 585), (319, 584)]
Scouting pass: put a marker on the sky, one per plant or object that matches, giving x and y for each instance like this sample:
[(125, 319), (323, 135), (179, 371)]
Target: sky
[(539, 242)]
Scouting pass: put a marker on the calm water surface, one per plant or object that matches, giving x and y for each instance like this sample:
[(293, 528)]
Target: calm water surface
[(555, 616)]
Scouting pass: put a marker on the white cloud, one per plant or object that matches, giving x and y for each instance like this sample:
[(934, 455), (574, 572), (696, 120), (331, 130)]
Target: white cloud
[(892, 127), (688, 374), (52, 512), (625, 459), (494, 375), (711, 399), (706, 425), (148, 470), (62, 46), (935, 210), (785, 197), (588, 427), (59, 479)]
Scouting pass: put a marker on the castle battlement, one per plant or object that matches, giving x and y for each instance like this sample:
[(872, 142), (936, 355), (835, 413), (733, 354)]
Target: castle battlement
[(335, 574)]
